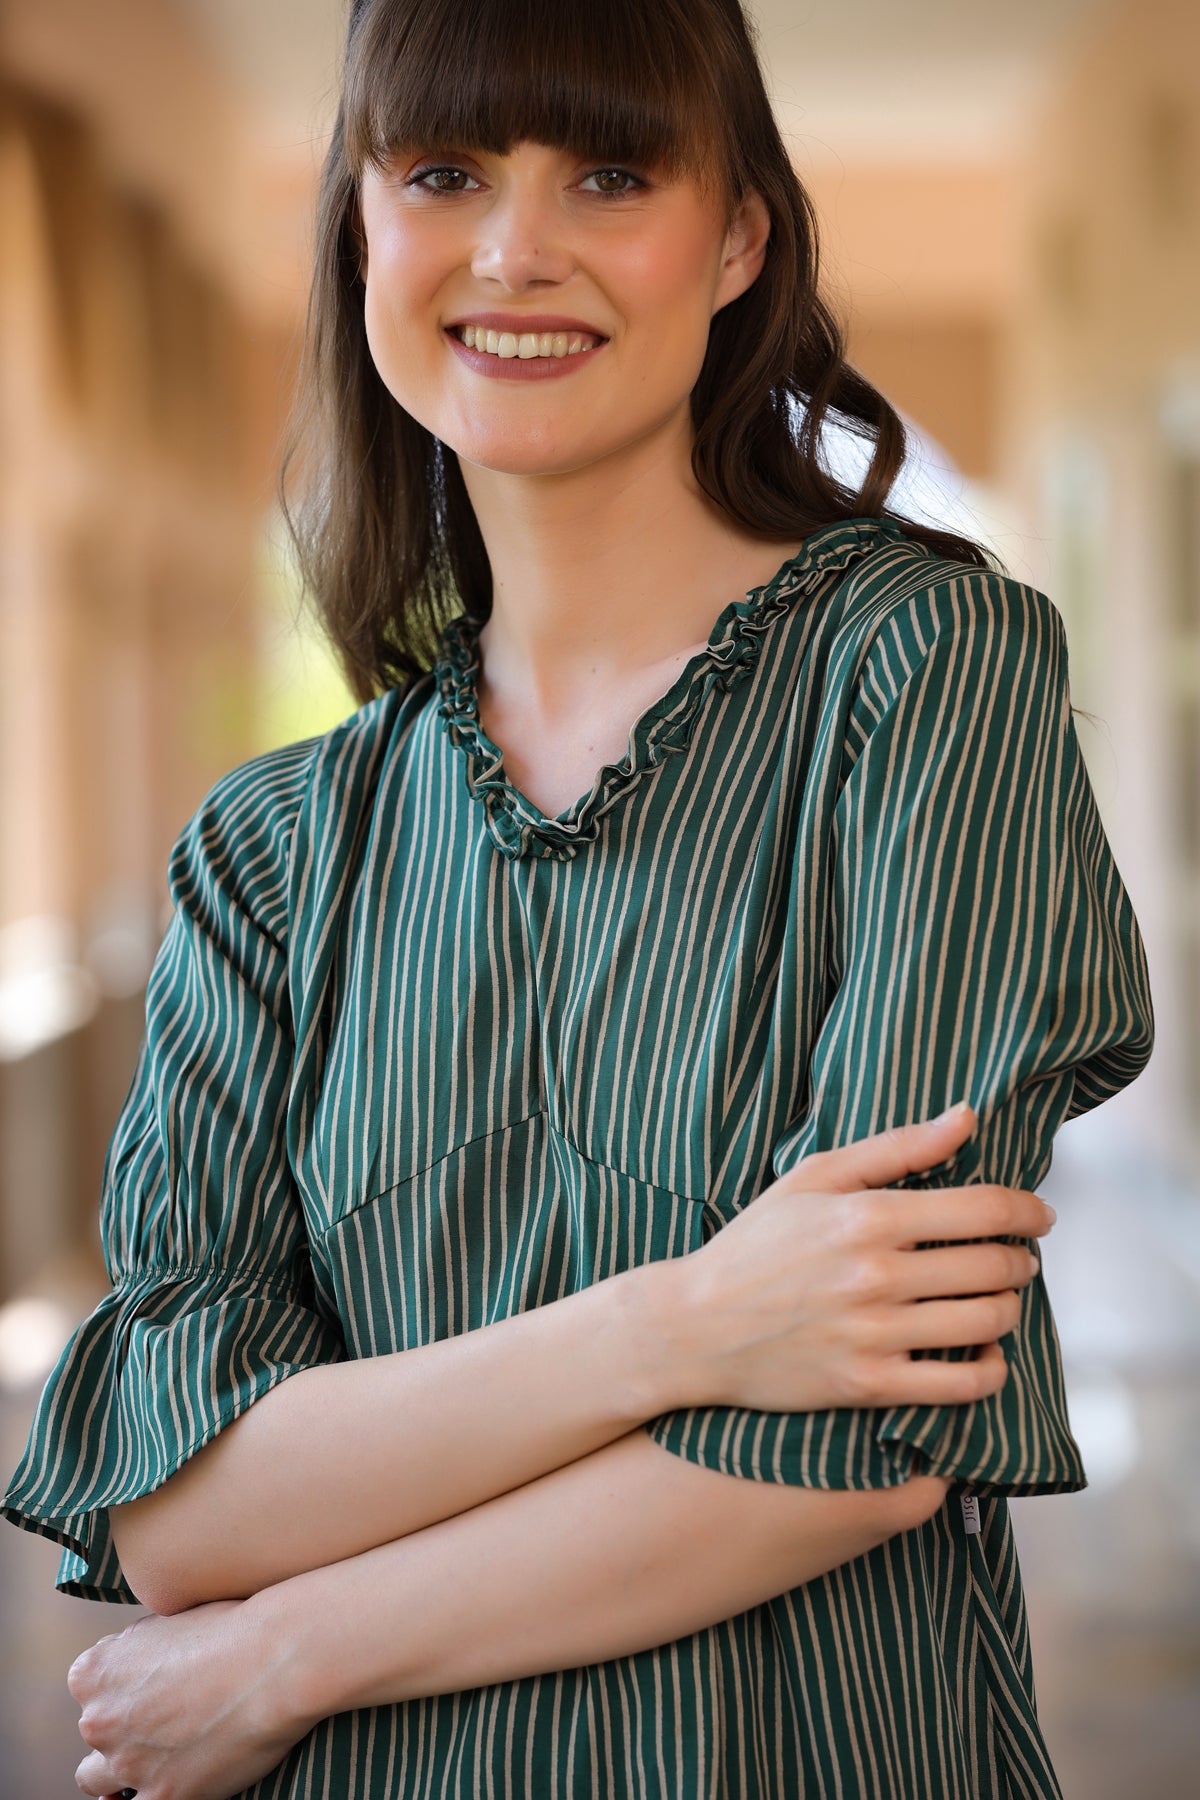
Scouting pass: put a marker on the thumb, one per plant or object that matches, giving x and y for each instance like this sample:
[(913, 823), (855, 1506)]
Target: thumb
[(887, 1156)]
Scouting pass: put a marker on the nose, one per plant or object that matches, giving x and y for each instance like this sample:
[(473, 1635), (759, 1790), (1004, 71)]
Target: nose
[(522, 239)]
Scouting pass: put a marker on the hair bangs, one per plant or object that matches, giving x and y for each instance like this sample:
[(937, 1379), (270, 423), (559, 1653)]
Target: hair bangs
[(628, 81)]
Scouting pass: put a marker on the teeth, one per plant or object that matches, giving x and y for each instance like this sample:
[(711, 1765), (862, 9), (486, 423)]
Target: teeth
[(528, 343)]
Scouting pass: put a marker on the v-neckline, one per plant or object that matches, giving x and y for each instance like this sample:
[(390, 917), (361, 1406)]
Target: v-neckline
[(518, 826)]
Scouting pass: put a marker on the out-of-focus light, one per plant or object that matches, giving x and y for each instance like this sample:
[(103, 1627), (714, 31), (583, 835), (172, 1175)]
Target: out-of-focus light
[(43, 992), (930, 489), (32, 1336), (1104, 1425), (119, 959), (120, 940), (41, 1006)]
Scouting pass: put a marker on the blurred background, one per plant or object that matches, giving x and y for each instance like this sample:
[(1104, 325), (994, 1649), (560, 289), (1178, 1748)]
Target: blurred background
[(1010, 199)]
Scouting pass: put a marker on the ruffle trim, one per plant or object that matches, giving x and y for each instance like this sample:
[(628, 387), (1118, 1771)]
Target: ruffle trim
[(157, 1369), (517, 826)]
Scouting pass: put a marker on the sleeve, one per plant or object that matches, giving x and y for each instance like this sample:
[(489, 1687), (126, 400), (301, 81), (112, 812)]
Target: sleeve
[(212, 1298), (981, 946)]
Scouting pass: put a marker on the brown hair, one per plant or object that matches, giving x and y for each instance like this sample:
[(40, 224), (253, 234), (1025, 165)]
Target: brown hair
[(384, 534)]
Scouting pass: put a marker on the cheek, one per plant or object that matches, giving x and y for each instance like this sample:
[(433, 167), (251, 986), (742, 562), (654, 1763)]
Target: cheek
[(398, 303), (380, 324), (670, 287)]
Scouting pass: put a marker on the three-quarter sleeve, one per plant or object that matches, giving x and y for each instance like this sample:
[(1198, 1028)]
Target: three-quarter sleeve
[(980, 946), (204, 1239)]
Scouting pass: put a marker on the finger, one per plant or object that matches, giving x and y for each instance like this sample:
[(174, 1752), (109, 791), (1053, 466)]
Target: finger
[(928, 1381), (983, 1210), (886, 1157), (96, 1775), (936, 1324), (961, 1269)]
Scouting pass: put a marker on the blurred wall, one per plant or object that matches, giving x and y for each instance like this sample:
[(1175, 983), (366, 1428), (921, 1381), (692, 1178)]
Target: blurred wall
[(1102, 444), (923, 258), (140, 396)]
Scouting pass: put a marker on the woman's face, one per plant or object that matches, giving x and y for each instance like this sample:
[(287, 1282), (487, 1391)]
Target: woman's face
[(533, 243)]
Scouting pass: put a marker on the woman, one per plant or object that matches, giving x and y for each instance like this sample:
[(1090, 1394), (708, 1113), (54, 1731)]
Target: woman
[(706, 831)]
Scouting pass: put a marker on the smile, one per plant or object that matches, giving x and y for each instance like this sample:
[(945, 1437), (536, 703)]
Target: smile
[(527, 344), (529, 356)]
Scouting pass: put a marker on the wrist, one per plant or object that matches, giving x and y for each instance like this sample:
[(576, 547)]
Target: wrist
[(303, 1688), (658, 1330), (337, 1643)]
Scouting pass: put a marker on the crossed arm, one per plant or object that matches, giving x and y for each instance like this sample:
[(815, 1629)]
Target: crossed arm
[(517, 1521), (624, 1549)]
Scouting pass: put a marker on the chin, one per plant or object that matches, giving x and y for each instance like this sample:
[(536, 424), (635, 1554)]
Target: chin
[(505, 454)]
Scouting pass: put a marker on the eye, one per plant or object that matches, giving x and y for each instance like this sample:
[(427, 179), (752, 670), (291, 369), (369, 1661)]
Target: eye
[(420, 177), (618, 193)]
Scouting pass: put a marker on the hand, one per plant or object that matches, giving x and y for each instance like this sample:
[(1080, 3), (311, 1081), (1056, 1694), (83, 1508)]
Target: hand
[(193, 1706), (815, 1294)]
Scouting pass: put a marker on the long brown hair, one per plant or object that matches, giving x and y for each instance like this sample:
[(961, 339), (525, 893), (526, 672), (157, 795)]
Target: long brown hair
[(384, 534)]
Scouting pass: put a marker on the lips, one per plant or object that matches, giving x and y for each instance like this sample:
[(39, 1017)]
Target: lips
[(546, 356)]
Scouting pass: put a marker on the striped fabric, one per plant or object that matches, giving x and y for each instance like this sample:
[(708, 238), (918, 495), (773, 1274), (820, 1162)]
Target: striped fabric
[(418, 1057)]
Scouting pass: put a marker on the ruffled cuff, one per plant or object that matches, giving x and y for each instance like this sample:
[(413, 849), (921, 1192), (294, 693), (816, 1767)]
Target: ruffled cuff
[(1018, 1440), (157, 1370), (849, 1449)]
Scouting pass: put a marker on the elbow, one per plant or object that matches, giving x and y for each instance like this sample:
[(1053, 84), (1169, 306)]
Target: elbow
[(150, 1558), (160, 1596), (160, 1589), (171, 1571), (169, 1590)]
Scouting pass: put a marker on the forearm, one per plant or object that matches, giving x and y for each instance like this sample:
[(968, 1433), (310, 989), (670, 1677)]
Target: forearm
[(339, 1459), (628, 1548)]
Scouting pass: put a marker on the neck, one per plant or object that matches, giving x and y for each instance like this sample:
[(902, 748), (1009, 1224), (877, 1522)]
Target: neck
[(604, 575)]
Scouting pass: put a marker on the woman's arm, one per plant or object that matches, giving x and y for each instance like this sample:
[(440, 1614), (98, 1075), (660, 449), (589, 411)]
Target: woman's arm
[(625, 1549), (340, 1458), (774, 1310)]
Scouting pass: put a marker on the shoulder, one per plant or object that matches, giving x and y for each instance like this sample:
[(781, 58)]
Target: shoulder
[(238, 848), (909, 615)]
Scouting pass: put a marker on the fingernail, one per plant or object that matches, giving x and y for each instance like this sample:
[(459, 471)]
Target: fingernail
[(1050, 1212), (952, 1112)]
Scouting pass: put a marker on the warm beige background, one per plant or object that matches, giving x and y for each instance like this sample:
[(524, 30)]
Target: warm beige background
[(1011, 205)]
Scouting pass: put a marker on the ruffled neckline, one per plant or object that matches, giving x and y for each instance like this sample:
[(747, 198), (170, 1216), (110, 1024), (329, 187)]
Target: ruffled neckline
[(517, 826)]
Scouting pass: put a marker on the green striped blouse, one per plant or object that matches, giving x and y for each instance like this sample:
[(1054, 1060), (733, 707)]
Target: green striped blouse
[(418, 1056)]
